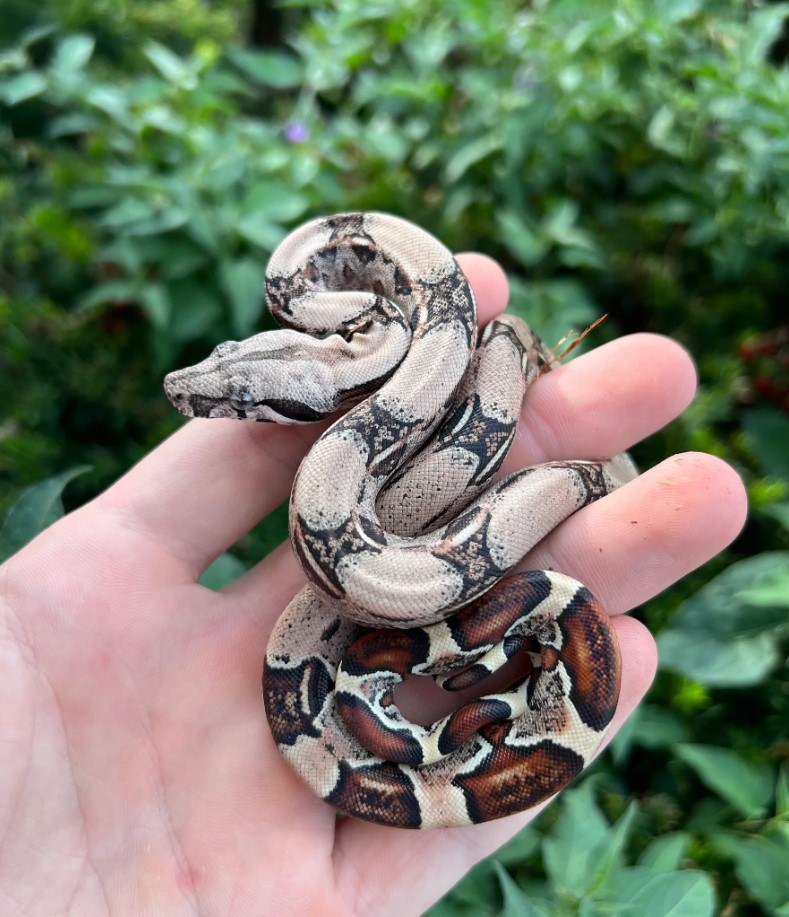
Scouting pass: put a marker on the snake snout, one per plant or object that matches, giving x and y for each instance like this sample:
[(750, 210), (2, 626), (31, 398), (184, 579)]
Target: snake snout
[(178, 395)]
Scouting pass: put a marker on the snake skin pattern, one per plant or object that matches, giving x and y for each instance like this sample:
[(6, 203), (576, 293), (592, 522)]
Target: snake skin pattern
[(407, 536)]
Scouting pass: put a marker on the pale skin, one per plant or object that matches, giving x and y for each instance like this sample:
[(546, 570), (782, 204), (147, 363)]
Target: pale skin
[(138, 773)]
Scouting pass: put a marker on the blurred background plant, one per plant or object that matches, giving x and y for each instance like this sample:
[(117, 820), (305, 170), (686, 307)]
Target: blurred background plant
[(629, 158)]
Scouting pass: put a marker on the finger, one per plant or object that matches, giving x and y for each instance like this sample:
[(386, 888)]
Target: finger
[(440, 858), (605, 401), (653, 531), (489, 283), (212, 481)]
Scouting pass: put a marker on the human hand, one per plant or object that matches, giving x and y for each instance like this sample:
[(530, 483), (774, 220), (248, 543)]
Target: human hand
[(139, 775)]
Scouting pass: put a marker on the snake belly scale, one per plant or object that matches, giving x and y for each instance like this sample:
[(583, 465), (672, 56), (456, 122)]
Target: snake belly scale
[(407, 536)]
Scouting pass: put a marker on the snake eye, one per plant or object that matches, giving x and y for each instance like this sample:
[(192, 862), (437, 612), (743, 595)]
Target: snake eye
[(242, 401)]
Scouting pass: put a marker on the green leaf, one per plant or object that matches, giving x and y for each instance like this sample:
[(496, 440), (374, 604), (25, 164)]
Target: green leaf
[(205, 230), (36, 34), (516, 902), (127, 212), (73, 52), (675, 894), (676, 11), (622, 884), (782, 792), (591, 908), (152, 298), (471, 153), (559, 222), (162, 118), (523, 243), (224, 570), (747, 785), (155, 302), (22, 87), (269, 68), (109, 292), (650, 726), (195, 306), (702, 231), (274, 201), (572, 851), (660, 128), (170, 65), (112, 101), (242, 280), (779, 512), (764, 29), (179, 258), (36, 509), (611, 855), (709, 660), (762, 869), (767, 435), (721, 608), (12, 59), (165, 220), (136, 217), (772, 593), (74, 123), (666, 852), (717, 637), (260, 231)]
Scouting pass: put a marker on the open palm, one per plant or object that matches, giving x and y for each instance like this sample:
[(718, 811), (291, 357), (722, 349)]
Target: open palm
[(138, 773)]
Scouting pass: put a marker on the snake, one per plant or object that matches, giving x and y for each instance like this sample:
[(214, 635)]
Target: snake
[(408, 534)]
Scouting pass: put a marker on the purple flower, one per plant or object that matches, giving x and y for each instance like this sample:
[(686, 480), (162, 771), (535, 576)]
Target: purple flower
[(296, 132)]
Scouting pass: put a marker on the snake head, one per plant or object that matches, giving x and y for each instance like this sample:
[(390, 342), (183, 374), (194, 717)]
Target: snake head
[(268, 377)]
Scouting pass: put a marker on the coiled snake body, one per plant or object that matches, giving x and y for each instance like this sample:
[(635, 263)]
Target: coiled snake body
[(405, 535)]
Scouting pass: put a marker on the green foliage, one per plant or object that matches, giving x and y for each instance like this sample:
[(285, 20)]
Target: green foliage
[(747, 786), (36, 509), (120, 27), (587, 870), (630, 159), (730, 633)]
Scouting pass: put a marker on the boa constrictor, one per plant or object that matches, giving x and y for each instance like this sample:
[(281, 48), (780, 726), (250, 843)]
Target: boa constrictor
[(405, 535)]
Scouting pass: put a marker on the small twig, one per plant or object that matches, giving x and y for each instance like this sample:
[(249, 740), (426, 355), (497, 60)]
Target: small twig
[(574, 344)]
